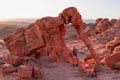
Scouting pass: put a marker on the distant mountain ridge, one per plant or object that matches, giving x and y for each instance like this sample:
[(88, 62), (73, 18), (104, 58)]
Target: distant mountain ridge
[(89, 20), (32, 20), (27, 20)]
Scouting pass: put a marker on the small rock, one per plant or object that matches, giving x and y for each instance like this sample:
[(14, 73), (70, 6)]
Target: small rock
[(37, 73), (14, 60), (113, 60), (25, 71), (8, 68)]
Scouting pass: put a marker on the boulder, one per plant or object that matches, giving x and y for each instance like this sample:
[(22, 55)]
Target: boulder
[(15, 43), (14, 60), (117, 23), (110, 46), (113, 61), (25, 71), (116, 50), (2, 59), (8, 68), (116, 65), (102, 25), (113, 21), (36, 72), (87, 57), (89, 31), (89, 67), (30, 61), (98, 20), (28, 72)]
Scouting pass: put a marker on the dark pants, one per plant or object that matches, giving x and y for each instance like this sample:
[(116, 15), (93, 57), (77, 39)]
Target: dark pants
[(75, 60)]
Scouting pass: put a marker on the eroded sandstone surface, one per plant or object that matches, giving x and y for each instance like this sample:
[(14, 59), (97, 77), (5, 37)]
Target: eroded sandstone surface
[(44, 39), (41, 49)]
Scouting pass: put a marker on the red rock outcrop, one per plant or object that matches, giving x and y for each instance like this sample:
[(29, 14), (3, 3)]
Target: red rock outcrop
[(117, 23), (44, 38), (36, 72), (25, 71), (110, 46), (102, 25), (113, 21), (8, 68), (98, 20), (117, 49), (112, 32), (90, 30), (14, 60), (113, 61)]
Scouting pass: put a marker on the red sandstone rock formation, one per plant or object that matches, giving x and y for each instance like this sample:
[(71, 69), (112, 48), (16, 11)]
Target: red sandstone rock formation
[(28, 72), (117, 23), (14, 60), (110, 46), (98, 20), (109, 34), (117, 49), (90, 30), (44, 38), (102, 25), (113, 61), (113, 21), (8, 68)]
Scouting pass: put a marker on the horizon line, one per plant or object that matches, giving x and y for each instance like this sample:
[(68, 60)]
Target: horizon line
[(7, 19)]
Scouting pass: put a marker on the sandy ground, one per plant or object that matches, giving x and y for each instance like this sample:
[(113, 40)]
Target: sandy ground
[(65, 71)]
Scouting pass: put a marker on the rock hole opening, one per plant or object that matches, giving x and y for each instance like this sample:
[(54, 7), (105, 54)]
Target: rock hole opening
[(71, 39)]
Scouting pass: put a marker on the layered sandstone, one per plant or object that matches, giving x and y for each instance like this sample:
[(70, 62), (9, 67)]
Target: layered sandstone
[(44, 38), (111, 46), (102, 25), (113, 61)]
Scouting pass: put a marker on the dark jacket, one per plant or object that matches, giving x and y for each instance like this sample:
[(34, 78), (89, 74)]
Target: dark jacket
[(74, 52)]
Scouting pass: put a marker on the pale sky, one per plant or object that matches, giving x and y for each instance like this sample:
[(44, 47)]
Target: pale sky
[(89, 9)]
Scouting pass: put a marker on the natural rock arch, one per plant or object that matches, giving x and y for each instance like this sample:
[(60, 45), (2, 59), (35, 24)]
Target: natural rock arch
[(44, 37)]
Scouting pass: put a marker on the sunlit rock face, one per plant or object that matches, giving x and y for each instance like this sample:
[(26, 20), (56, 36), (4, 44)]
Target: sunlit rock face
[(113, 61), (44, 37), (102, 25)]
